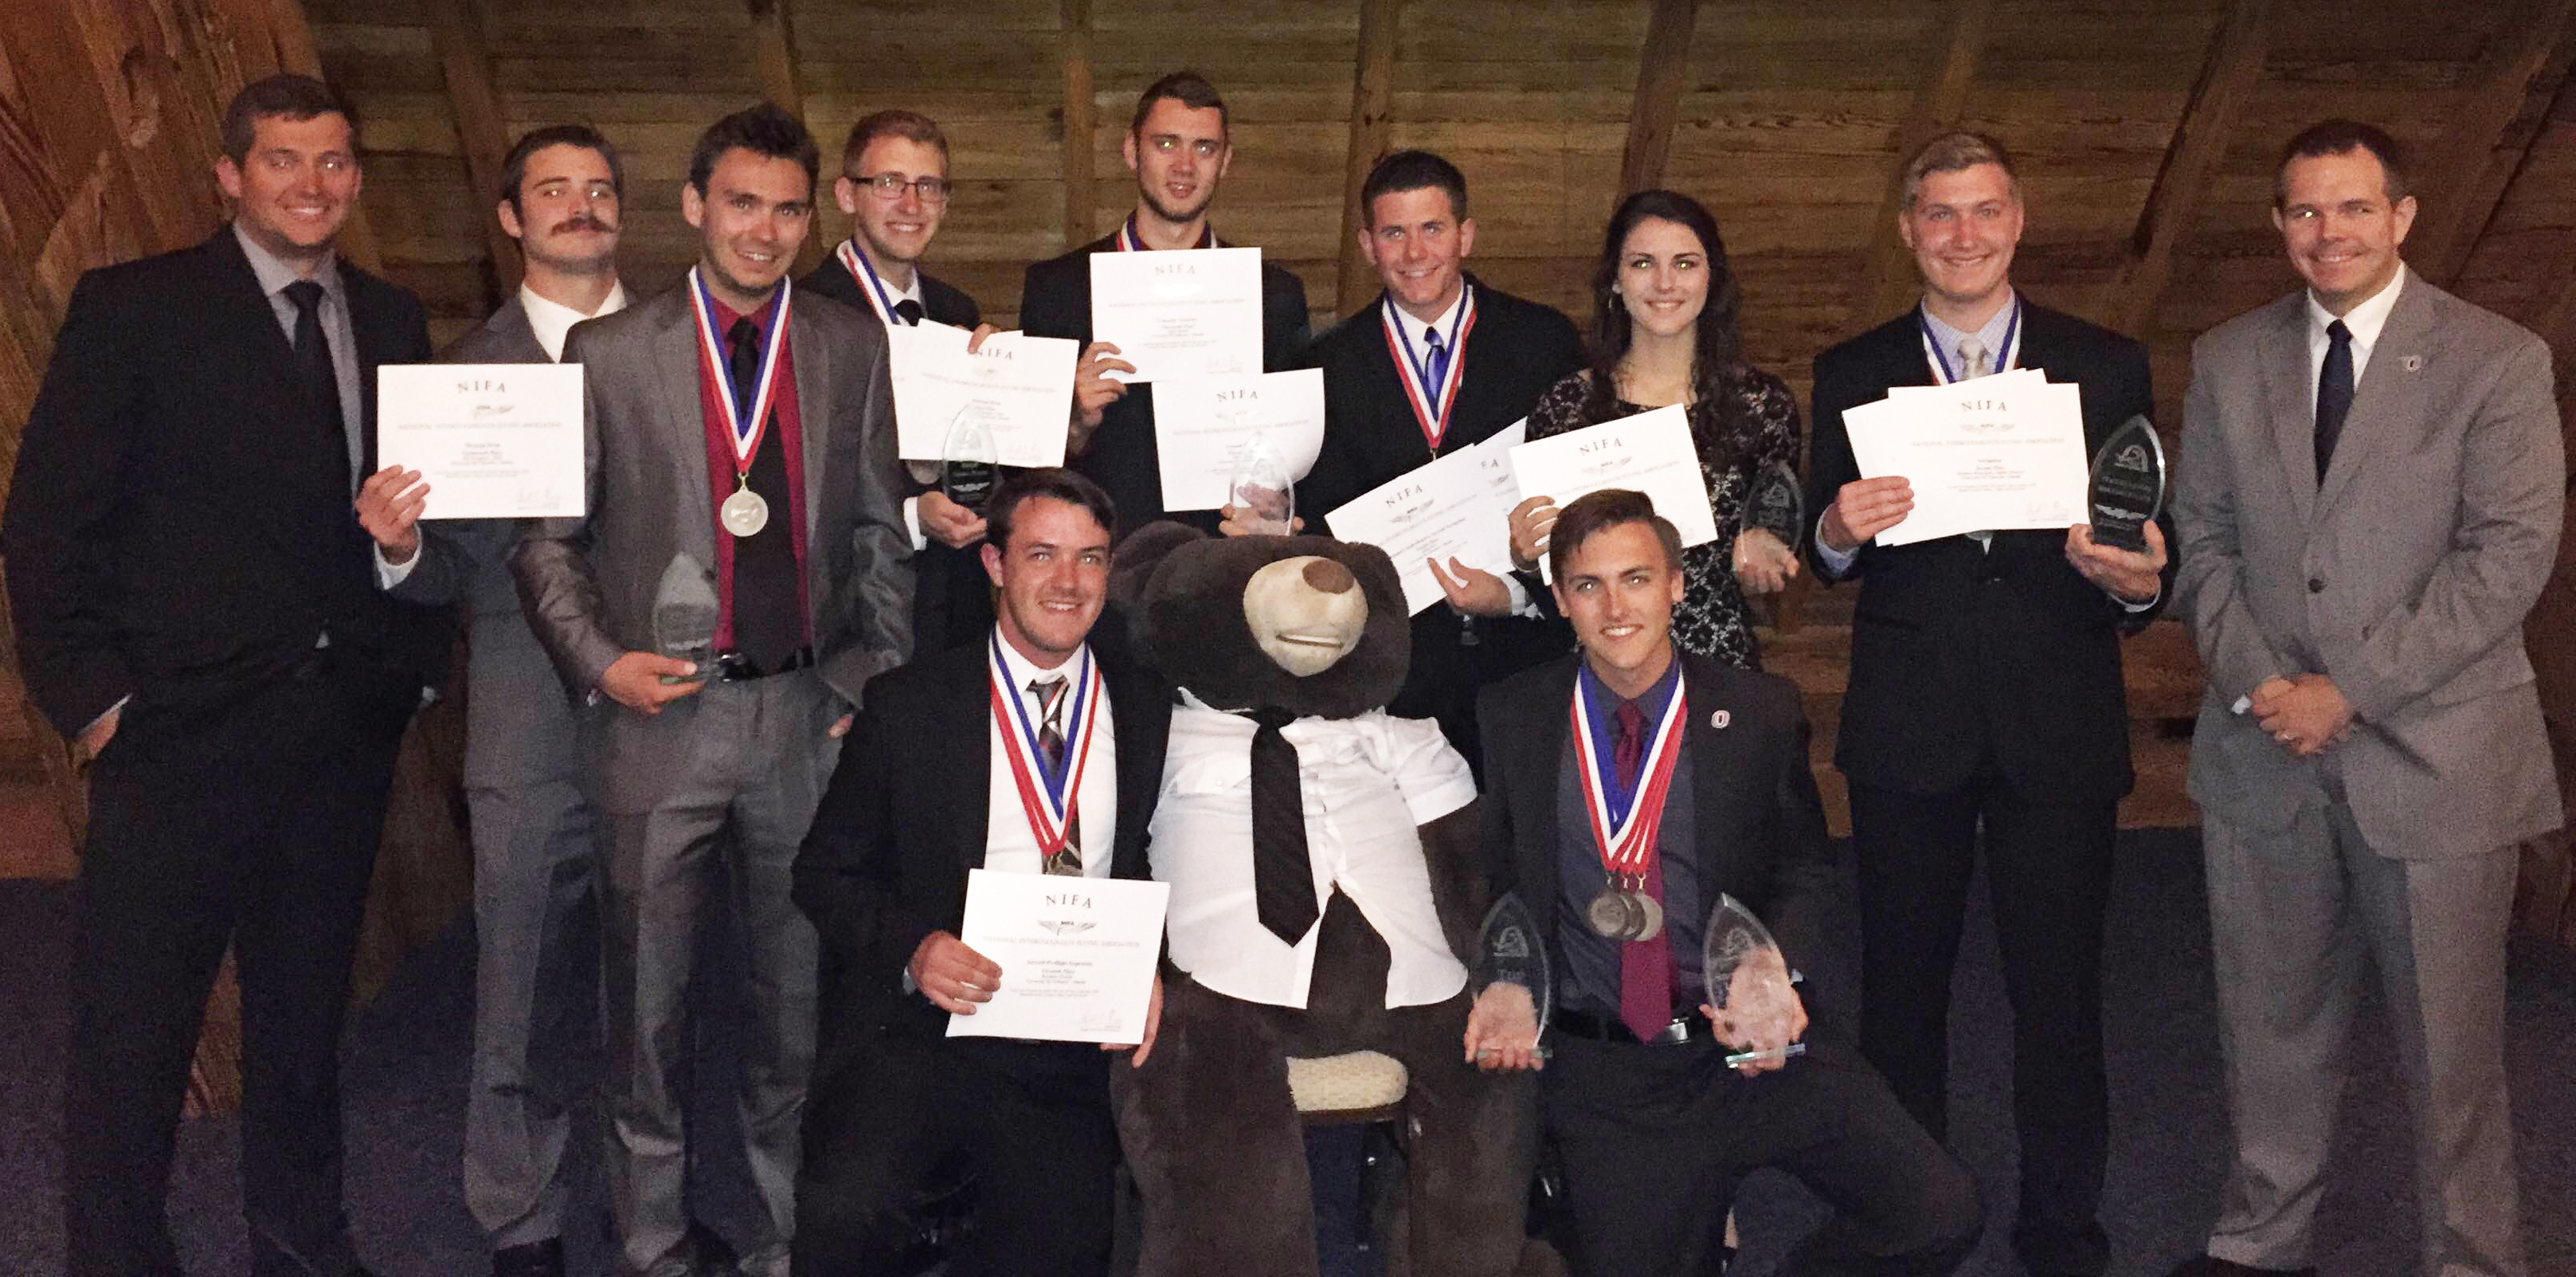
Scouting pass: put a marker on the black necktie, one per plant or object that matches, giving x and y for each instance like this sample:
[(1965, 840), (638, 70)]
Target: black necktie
[(744, 362), (1283, 879), (909, 311), (321, 379), (1050, 693), (2334, 393), (768, 621)]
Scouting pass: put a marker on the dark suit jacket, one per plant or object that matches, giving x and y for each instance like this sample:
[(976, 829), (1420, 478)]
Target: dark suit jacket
[(905, 818), (1758, 830), (179, 529), (1055, 301), (1963, 658), (940, 302), (1518, 350)]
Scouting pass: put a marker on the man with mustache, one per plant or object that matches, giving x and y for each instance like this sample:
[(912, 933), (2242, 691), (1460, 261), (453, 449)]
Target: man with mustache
[(741, 459), (894, 185), (1179, 149), (535, 834)]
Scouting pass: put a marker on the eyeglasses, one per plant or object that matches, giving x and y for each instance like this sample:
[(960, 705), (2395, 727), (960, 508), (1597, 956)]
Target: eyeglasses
[(890, 186)]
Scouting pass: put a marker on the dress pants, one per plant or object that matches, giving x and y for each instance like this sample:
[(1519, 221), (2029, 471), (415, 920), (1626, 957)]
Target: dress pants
[(2048, 871), (536, 976), (725, 829), (2294, 913), (1028, 1120), (1654, 1140), (251, 819)]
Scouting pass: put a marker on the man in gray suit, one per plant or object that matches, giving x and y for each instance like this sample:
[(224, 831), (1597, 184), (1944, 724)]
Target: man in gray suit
[(2369, 500), (741, 452), (535, 866)]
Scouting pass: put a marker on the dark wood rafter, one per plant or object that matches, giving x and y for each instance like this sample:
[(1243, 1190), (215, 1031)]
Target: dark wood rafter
[(2218, 97), (1079, 125), (1372, 109), (1663, 71), (773, 51), (1938, 104), (2486, 138), (456, 35)]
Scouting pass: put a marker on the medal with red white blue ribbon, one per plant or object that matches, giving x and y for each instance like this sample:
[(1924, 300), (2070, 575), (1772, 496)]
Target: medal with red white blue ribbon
[(1431, 403), (1624, 824), (1048, 795), (744, 513), (1129, 243), (871, 287)]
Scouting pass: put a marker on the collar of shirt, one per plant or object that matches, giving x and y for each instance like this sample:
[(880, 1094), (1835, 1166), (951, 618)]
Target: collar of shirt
[(550, 319), (2365, 321), (274, 274), (723, 316), (1022, 671), (1419, 333), (911, 291), (1605, 703), (1991, 335)]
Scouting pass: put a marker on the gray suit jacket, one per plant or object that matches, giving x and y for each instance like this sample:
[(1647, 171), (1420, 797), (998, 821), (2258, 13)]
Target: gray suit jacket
[(2404, 577), (587, 583)]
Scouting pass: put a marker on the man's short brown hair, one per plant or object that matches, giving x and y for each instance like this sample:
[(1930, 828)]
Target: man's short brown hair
[(911, 126), (1188, 88), (1597, 512), (2342, 137), (1955, 152), (285, 94)]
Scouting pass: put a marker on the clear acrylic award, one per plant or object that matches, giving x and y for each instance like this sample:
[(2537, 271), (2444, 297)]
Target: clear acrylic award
[(1511, 953), (970, 465), (1262, 489), (2128, 486), (685, 611), (1775, 503), (1750, 985)]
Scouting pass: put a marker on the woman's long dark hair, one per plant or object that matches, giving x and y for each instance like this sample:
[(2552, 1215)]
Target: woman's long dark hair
[(1719, 360)]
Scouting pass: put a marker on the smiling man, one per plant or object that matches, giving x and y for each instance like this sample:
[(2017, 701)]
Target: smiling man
[(1985, 692), (1441, 361), (2372, 492), (196, 607), (740, 438)]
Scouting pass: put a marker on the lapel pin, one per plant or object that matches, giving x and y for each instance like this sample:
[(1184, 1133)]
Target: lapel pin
[(2412, 363), (1720, 718)]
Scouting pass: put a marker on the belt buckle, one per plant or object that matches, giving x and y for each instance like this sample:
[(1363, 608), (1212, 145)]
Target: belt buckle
[(1679, 1031)]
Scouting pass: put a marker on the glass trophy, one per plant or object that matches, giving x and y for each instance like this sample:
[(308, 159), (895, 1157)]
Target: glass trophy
[(970, 465), (1776, 504), (1750, 985), (1262, 489), (685, 610), (1509, 951), (2128, 486)]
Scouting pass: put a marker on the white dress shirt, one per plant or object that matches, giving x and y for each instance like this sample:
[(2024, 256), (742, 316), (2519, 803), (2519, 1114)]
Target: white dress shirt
[(2364, 320), (1009, 846), (1367, 783)]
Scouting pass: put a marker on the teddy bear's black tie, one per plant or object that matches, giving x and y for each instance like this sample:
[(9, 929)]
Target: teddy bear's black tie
[(1283, 879)]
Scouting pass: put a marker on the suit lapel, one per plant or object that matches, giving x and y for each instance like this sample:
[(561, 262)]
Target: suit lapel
[(2389, 395), (2288, 401), (969, 815), (813, 358), (371, 324), (1546, 734), (675, 351)]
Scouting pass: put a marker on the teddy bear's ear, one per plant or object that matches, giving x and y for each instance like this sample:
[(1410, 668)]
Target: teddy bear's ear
[(1144, 550)]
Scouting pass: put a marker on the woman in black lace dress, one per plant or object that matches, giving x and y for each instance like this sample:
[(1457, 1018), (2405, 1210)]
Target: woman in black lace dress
[(1664, 312)]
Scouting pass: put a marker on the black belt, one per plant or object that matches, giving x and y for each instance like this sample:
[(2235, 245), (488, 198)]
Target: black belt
[(734, 667), (1686, 1027)]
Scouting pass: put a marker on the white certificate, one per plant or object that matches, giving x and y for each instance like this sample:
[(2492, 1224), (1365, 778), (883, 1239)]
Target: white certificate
[(493, 441), (1205, 427), (1187, 313), (1651, 453), (1017, 387), (1437, 511), (1990, 454), (1077, 955)]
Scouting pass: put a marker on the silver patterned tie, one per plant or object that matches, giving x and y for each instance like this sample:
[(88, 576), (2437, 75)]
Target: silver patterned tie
[(1067, 859), (1972, 363)]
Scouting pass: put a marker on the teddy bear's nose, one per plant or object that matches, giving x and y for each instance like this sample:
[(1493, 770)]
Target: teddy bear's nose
[(1329, 577)]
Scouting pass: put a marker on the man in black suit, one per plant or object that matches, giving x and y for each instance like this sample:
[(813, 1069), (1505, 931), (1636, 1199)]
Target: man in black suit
[(1178, 148), (1985, 689), (536, 836), (1443, 361), (894, 185), (1689, 779), (198, 606), (924, 795)]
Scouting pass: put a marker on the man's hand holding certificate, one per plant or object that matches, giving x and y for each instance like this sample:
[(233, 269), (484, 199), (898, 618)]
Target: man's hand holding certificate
[(1013, 385), (1995, 453), (1193, 314), (492, 441), (1451, 508), (1076, 956)]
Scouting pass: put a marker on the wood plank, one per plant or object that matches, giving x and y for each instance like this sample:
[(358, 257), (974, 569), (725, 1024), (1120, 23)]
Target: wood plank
[(1079, 124), (2227, 79), (2485, 139), (1663, 64), (456, 32), (773, 53), (1372, 110), (1939, 103)]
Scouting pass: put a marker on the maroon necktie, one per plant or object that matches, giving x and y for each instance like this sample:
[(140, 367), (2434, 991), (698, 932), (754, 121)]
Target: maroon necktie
[(1645, 966)]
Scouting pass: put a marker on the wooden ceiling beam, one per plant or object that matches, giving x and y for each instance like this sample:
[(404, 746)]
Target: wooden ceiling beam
[(456, 36), (2227, 79), (773, 53), (1663, 71), (1372, 112), (1889, 285), (2485, 140), (1080, 123)]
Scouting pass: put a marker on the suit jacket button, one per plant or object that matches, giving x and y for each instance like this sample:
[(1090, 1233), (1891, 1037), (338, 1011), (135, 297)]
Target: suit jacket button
[(2316, 585)]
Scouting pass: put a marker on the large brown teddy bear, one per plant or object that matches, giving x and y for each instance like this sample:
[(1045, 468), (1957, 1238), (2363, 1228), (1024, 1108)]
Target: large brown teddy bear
[(1311, 636)]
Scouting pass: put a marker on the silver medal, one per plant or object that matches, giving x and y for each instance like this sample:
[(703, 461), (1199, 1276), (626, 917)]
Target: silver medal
[(1650, 916), (1613, 914), (744, 513)]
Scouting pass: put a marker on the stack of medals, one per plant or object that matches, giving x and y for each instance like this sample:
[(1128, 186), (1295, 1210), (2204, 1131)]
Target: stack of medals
[(744, 513), (1048, 794), (1625, 831)]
